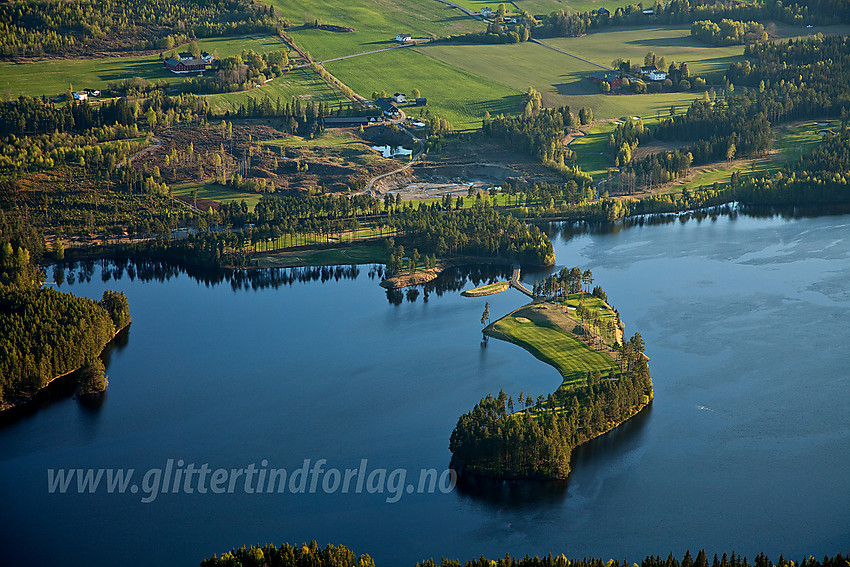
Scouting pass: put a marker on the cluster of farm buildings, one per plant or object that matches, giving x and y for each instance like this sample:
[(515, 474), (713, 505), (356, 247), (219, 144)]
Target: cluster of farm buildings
[(186, 63)]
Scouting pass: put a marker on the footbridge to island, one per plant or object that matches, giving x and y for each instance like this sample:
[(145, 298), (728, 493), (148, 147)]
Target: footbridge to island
[(518, 285)]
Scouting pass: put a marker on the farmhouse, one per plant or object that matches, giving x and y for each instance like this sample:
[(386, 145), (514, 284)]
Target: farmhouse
[(183, 67), (399, 98), (652, 73), (403, 37), (92, 92), (612, 77), (390, 109), (486, 12), (82, 95), (185, 56)]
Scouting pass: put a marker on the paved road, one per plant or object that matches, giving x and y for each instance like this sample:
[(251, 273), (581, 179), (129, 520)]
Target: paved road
[(570, 54), (517, 285)]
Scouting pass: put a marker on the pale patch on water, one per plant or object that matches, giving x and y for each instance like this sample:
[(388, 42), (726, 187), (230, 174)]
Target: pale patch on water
[(392, 151)]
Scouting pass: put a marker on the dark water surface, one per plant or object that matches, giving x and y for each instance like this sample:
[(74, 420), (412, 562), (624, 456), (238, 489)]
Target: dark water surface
[(746, 448)]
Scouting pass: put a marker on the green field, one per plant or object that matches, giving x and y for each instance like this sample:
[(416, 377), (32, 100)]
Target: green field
[(376, 23), (551, 344), (549, 6), (215, 192), (792, 141), (53, 77), (303, 83), (561, 79), (454, 94), (674, 43)]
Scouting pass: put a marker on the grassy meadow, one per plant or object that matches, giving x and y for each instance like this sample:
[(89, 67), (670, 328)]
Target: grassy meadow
[(376, 23), (302, 83), (674, 43), (458, 96), (561, 79), (53, 77)]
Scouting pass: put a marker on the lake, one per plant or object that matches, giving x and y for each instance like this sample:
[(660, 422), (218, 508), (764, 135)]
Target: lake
[(746, 446)]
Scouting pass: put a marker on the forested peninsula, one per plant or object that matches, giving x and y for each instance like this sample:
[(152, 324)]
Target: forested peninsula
[(606, 381), (46, 334)]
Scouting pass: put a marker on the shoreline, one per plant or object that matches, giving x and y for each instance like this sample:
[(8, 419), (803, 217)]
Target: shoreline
[(22, 401), (461, 467)]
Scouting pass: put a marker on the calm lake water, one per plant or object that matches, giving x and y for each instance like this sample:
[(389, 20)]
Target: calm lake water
[(746, 447)]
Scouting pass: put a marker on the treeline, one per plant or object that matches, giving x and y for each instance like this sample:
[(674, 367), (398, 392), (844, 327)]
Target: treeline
[(339, 556), (34, 28), (45, 333), (539, 132), (797, 79), (434, 229), (496, 33), (728, 32), (785, 81), (820, 177), (564, 24), (530, 439), (240, 72), (290, 556)]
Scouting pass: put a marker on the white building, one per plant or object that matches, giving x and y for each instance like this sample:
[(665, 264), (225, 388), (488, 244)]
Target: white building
[(403, 37)]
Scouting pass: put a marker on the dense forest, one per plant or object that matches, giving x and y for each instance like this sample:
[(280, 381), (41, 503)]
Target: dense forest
[(535, 439), (45, 333), (339, 556), (34, 28), (561, 23)]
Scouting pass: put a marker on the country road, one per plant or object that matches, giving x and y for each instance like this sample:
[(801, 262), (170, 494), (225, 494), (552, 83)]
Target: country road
[(537, 41), (157, 143), (411, 44)]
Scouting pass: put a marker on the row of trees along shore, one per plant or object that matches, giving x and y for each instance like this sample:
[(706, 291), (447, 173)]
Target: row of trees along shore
[(311, 555), (45, 333), (530, 439)]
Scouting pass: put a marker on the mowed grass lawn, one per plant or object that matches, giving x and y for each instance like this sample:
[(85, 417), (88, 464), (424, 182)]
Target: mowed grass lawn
[(215, 192), (376, 23), (302, 83), (454, 94), (571, 357)]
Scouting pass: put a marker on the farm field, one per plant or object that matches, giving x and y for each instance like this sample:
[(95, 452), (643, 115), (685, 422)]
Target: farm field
[(376, 23), (52, 77), (458, 96), (302, 83), (674, 43), (561, 79), (549, 6)]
